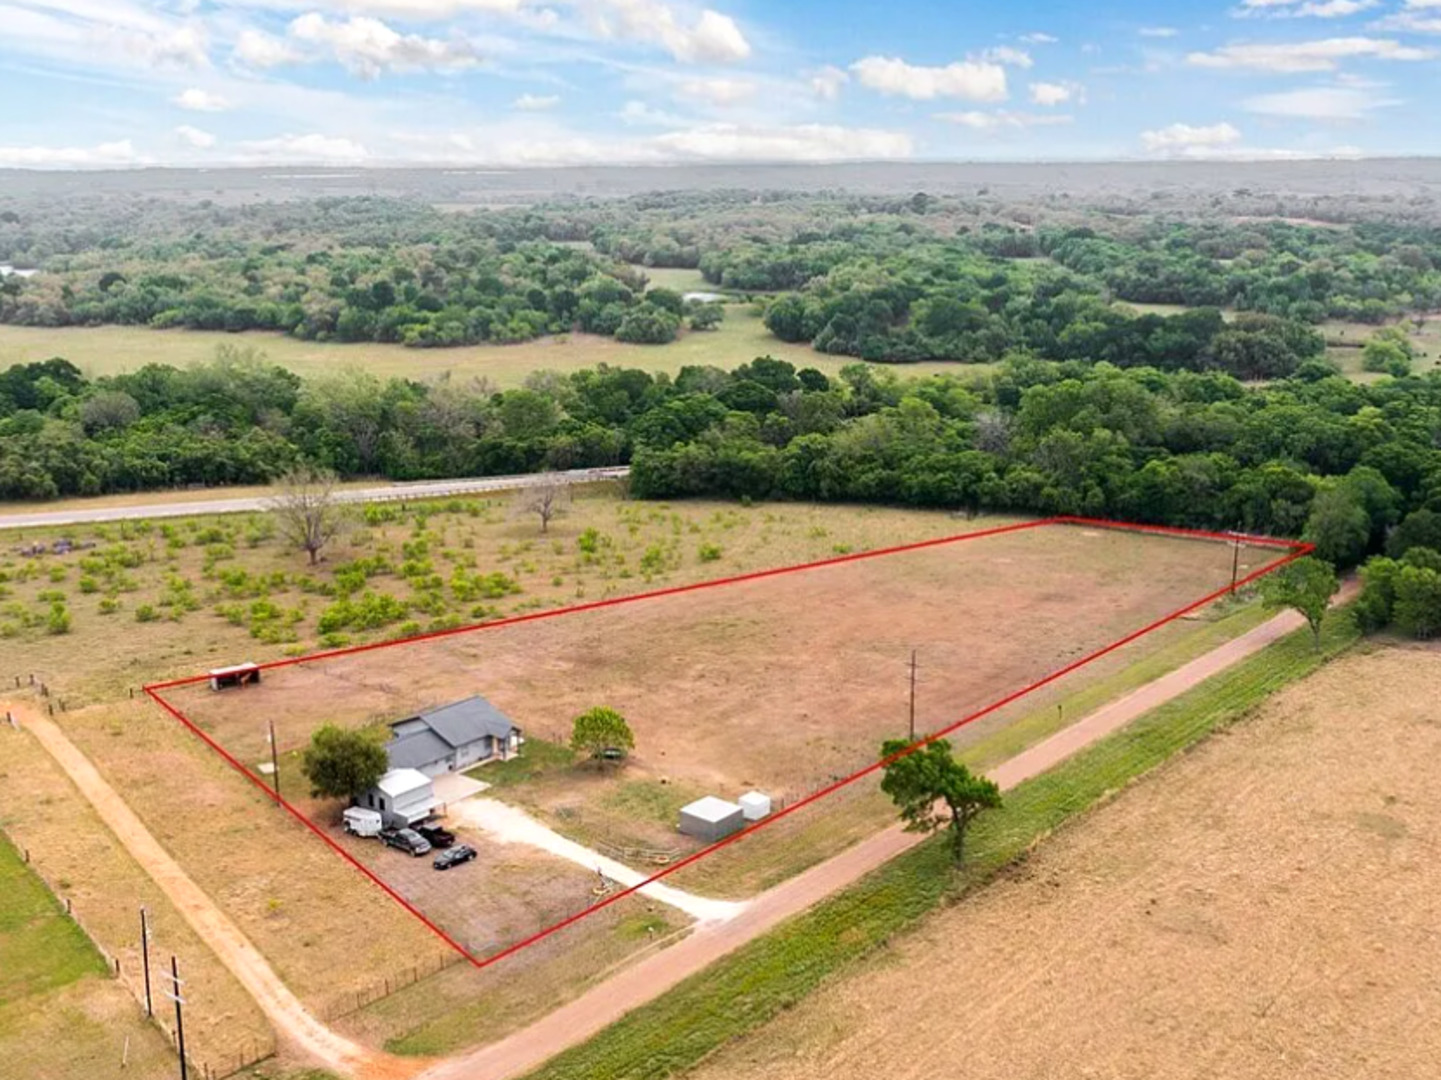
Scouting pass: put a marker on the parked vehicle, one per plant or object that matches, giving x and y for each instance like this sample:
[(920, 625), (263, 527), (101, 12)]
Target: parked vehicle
[(362, 822), (438, 837), (454, 857), (406, 840)]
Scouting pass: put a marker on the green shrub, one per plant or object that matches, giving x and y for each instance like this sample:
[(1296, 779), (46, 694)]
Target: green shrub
[(710, 552), (146, 613)]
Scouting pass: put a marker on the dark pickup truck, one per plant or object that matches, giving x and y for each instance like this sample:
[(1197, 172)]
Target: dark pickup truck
[(406, 840), (438, 837)]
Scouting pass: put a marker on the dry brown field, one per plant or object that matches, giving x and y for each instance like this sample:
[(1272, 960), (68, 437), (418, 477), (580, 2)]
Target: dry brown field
[(1263, 907), (780, 684)]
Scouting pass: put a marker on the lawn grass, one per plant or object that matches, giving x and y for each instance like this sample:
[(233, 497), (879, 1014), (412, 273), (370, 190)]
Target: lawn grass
[(61, 1015), (41, 948), (109, 350), (751, 986), (538, 758)]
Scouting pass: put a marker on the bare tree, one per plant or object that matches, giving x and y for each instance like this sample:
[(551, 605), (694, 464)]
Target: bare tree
[(306, 509), (546, 495)]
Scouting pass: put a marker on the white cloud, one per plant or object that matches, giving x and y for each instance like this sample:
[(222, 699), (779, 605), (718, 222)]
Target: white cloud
[(1416, 18), (306, 150), (806, 142), (1184, 138), (70, 157), (639, 114), (1002, 120), (198, 100), (1335, 103), (718, 92), (535, 102), (1004, 54), (260, 50), (1038, 38), (1303, 56), (713, 38), (200, 140), (1051, 94), (1158, 31), (971, 80), (1303, 9), (183, 47), (368, 48), (826, 83)]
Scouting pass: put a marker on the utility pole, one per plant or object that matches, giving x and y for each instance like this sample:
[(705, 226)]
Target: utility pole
[(913, 695), (145, 959), (274, 762), (1236, 545), (179, 1016)]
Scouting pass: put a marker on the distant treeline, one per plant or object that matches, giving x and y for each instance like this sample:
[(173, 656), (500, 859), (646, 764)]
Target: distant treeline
[(890, 279), (1312, 455)]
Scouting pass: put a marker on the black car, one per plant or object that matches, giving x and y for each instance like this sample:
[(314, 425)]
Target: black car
[(406, 840), (454, 857), (438, 837)]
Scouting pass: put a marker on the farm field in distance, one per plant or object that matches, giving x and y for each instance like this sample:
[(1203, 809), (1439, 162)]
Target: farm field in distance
[(109, 350), (1232, 902)]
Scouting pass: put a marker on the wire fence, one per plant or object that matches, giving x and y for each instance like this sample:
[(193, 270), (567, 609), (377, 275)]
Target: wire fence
[(353, 999), (205, 1060)]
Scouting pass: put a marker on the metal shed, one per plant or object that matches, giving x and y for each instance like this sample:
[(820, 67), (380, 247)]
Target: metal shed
[(711, 819)]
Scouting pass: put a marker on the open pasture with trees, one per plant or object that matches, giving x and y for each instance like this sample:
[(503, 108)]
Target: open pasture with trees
[(1265, 901), (781, 684)]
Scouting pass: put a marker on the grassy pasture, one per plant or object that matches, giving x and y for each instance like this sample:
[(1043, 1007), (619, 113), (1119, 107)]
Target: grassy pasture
[(61, 1015), (108, 350), (1426, 341), (1162, 913)]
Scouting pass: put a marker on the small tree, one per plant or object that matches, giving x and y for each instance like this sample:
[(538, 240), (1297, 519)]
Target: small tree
[(340, 764), (1306, 586), (546, 496), (923, 782), (307, 513), (601, 733)]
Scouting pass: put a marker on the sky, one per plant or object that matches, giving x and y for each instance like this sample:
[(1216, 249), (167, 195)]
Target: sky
[(507, 83)]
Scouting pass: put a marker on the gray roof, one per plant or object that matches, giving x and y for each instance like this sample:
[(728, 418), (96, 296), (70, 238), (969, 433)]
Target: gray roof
[(417, 751), (466, 721), (446, 729)]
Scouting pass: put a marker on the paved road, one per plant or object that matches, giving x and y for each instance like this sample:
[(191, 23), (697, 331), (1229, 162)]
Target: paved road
[(427, 489), (641, 983), (234, 949)]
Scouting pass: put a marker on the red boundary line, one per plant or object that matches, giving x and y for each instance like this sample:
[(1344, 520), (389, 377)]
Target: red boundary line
[(1295, 550)]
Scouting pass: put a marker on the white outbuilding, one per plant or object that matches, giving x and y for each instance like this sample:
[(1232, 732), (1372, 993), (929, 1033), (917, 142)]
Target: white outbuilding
[(711, 819), (755, 805), (402, 797)]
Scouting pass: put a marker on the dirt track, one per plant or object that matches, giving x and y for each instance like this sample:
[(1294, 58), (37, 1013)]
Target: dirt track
[(282, 1007)]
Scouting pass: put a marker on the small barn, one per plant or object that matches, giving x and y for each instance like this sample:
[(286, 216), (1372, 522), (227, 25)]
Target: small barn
[(402, 797), (711, 819), (452, 737)]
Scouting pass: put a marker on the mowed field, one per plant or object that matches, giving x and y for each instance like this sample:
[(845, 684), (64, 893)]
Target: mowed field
[(1264, 907), (109, 350), (61, 1016), (781, 684)]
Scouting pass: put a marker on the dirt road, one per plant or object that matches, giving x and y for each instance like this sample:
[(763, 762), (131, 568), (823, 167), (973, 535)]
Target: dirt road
[(629, 989), (283, 1008)]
